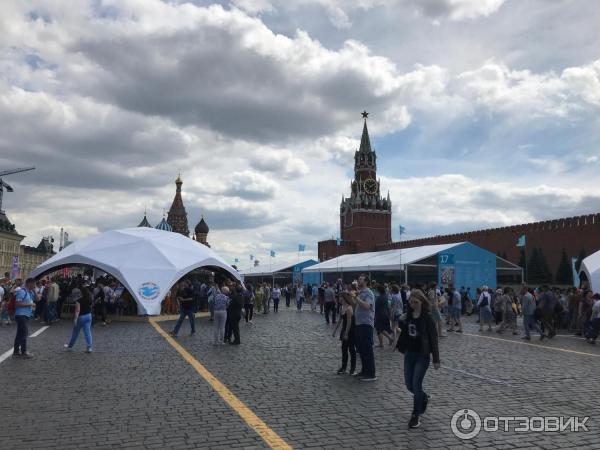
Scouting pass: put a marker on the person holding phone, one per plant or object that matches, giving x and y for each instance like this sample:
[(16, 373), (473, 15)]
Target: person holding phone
[(419, 343)]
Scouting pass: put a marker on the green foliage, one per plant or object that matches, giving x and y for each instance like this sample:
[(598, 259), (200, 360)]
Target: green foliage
[(564, 274), (538, 267)]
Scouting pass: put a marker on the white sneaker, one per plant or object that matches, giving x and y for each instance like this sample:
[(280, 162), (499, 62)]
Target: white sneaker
[(67, 348)]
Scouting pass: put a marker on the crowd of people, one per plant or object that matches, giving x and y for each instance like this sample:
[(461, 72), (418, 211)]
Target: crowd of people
[(47, 300), (410, 318)]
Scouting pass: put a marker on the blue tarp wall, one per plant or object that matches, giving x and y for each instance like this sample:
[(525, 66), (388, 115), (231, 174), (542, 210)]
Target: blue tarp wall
[(467, 265)]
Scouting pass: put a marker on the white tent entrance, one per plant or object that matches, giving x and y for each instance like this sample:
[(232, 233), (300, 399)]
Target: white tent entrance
[(148, 262), (590, 271)]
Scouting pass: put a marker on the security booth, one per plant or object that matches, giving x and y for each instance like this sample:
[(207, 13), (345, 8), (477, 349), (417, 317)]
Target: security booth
[(460, 264)]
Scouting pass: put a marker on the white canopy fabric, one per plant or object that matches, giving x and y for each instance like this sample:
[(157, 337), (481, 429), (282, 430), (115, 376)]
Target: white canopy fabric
[(148, 262), (591, 267), (266, 271), (379, 261)]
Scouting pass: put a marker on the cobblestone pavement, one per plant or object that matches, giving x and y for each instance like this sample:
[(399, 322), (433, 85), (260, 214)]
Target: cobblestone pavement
[(136, 391)]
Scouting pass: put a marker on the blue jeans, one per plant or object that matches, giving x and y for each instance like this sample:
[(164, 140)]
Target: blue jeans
[(185, 312), (85, 322), (364, 344), (529, 323), (415, 367), (50, 314)]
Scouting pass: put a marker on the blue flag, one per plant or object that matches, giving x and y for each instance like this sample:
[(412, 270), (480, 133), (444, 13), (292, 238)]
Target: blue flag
[(338, 241), (521, 241), (301, 247), (402, 230), (251, 257), (576, 280), (236, 260), (273, 253)]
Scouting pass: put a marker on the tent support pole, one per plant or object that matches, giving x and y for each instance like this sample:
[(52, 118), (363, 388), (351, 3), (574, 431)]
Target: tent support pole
[(406, 274)]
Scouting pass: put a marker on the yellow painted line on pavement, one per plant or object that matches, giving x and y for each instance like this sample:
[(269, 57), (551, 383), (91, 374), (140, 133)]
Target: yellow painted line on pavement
[(262, 429), (558, 349)]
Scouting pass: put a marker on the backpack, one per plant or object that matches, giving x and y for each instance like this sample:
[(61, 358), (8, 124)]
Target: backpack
[(484, 302)]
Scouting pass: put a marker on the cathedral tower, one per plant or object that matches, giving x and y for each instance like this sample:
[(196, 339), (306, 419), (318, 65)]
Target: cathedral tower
[(177, 216)]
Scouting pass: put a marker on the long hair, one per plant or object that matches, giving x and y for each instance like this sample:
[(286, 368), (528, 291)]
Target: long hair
[(86, 294), (425, 306)]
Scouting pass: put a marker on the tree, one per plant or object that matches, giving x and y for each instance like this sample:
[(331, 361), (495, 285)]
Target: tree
[(564, 274), (538, 267), (580, 258)]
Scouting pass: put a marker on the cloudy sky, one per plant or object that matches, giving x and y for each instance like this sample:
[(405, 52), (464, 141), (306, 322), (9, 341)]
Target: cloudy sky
[(483, 113)]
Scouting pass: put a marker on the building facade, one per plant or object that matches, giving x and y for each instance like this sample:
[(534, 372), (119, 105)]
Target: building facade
[(365, 216), (27, 258)]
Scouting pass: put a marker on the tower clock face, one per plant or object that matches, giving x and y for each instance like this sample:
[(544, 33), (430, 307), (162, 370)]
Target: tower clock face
[(370, 186)]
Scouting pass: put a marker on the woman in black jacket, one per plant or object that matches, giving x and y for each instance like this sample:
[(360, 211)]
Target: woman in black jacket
[(418, 342)]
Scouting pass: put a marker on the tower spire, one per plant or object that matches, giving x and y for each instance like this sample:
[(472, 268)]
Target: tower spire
[(365, 142)]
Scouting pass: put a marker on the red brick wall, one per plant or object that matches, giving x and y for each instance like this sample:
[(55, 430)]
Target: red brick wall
[(572, 234)]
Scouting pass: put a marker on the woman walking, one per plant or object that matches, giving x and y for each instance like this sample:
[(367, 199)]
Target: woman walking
[(220, 303), (82, 320), (419, 343), (485, 309), (347, 333), (299, 296)]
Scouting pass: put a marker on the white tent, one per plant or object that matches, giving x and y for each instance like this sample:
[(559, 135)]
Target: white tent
[(267, 270), (380, 261), (148, 262), (590, 266)]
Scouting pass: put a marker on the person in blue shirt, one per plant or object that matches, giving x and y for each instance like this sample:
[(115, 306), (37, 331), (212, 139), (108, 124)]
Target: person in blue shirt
[(23, 311)]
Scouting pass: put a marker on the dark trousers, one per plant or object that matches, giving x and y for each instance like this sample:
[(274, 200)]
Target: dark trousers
[(275, 304), (330, 309), (349, 347), (59, 304), (100, 312), (22, 333), (287, 301), (364, 345), (40, 309), (415, 367), (548, 322), (497, 317), (232, 327), (248, 312), (189, 312)]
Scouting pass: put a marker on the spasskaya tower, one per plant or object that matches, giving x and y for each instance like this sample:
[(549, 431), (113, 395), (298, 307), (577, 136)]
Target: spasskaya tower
[(365, 216)]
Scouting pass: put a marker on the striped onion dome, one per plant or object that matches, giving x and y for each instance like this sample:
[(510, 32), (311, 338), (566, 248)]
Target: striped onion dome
[(163, 225)]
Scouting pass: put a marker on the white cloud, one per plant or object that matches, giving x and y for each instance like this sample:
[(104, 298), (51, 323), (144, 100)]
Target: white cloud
[(110, 100), (453, 202)]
